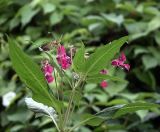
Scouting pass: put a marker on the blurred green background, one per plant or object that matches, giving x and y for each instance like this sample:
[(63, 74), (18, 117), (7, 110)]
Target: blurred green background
[(95, 22)]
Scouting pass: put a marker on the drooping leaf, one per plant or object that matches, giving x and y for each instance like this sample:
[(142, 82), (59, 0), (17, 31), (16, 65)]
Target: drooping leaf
[(41, 109), (31, 74), (102, 56), (132, 107)]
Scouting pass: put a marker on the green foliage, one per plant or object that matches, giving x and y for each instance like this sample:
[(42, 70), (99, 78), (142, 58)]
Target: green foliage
[(95, 23)]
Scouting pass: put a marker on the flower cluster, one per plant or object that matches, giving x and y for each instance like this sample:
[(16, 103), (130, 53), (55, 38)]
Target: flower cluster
[(63, 60), (120, 62)]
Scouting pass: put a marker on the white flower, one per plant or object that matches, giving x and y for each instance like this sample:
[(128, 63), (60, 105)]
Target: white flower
[(7, 98)]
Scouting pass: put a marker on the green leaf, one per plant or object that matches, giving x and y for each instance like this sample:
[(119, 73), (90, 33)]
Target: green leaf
[(132, 107), (149, 62), (79, 60), (55, 18), (95, 120), (109, 112), (102, 56), (31, 74), (99, 77), (154, 24), (27, 13), (91, 120), (118, 19), (146, 76), (157, 37), (48, 7), (114, 89)]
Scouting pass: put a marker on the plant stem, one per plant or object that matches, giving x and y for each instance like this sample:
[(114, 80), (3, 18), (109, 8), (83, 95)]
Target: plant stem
[(56, 85), (55, 123), (70, 102)]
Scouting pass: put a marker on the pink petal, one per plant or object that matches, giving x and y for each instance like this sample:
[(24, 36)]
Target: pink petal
[(104, 71), (115, 62), (47, 69), (49, 78), (104, 84), (61, 51), (122, 57), (126, 66), (65, 62)]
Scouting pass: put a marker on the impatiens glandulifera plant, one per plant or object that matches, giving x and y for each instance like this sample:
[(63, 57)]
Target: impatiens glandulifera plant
[(59, 102)]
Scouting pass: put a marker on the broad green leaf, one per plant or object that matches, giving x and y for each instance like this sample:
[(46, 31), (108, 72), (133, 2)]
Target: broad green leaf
[(102, 56), (117, 101), (79, 60), (109, 112), (149, 62), (142, 114), (155, 52), (40, 42), (154, 24), (147, 77), (115, 88), (99, 77), (92, 120), (27, 13), (132, 107), (48, 7), (31, 74), (157, 37), (112, 17), (55, 18), (89, 20), (104, 114), (140, 50)]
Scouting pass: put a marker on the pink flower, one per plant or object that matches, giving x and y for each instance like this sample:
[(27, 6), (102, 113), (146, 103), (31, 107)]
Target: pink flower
[(104, 84), (47, 70), (63, 60), (49, 78), (120, 62)]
